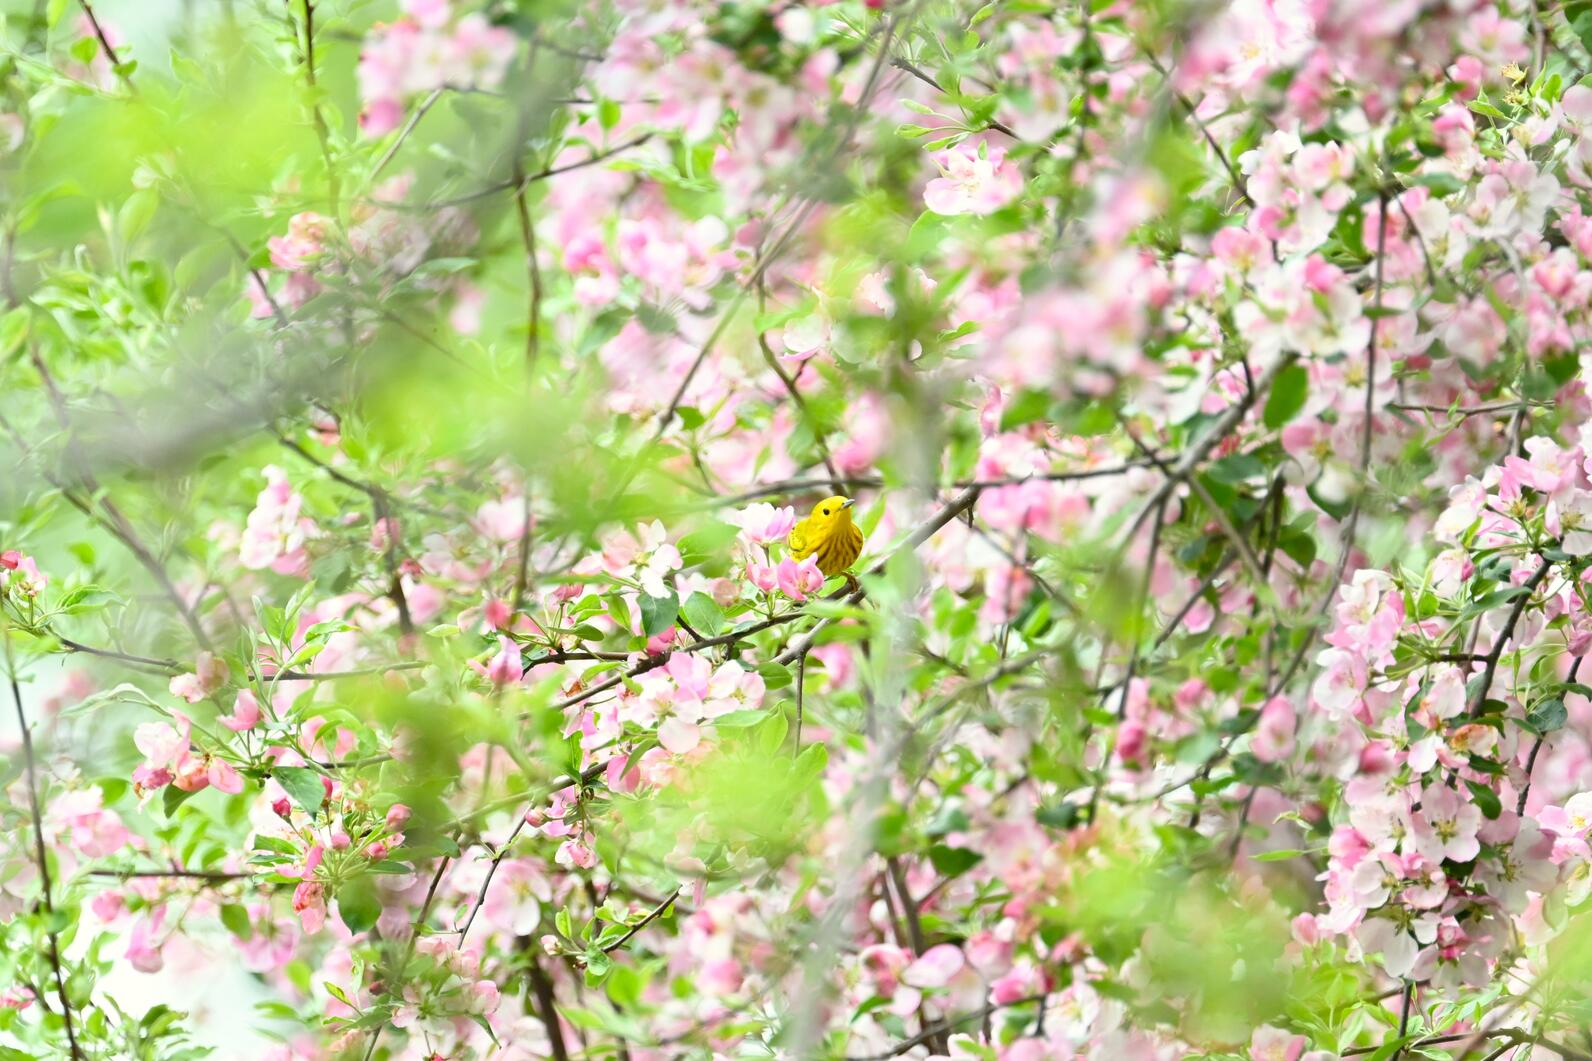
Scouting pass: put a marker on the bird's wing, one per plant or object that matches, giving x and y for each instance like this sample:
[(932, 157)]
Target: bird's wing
[(797, 540)]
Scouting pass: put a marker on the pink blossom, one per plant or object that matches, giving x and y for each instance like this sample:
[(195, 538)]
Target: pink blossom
[(245, 713), (501, 521), (1446, 825), (679, 736), (506, 667), (764, 524), (21, 574), (275, 533), (1274, 1044), (797, 580), (1273, 739), (143, 943), (1023, 981), (935, 968), (223, 777), (483, 997), (309, 902), (974, 179)]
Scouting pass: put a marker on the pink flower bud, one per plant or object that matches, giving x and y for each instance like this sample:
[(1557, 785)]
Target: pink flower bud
[(397, 815), (283, 808), (496, 613), (505, 667)]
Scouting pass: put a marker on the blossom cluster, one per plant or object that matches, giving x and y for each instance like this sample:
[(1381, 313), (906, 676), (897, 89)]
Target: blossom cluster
[(1210, 382)]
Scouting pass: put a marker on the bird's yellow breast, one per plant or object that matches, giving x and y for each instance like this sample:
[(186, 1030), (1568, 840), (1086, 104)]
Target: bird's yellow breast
[(835, 545)]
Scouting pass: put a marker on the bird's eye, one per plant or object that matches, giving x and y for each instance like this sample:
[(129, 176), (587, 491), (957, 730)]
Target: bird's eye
[(826, 512)]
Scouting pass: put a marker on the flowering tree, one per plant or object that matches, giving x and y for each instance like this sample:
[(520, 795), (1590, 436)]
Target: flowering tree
[(406, 405)]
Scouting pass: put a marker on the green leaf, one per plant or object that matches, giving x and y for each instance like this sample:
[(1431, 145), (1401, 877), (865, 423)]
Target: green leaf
[(953, 861), (304, 785), (1276, 856), (1237, 468), (172, 798), (136, 214), (481, 1022), (1488, 601), (625, 985), (774, 675), (13, 330), (359, 904), (82, 598), (1485, 798), (273, 843), (236, 919), (658, 613), (1547, 716), (704, 614), (1063, 815), (1288, 393)]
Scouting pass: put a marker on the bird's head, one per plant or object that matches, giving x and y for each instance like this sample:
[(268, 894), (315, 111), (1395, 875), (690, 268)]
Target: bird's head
[(832, 512)]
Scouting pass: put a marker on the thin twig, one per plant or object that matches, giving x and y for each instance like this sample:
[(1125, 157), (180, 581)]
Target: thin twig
[(497, 858), (409, 947), (533, 324), (542, 174), (993, 123), (40, 855), (945, 1026), (1504, 636), (409, 127), (652, 915)]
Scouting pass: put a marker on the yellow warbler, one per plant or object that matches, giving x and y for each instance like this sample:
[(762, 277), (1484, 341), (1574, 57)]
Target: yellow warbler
[(829, 535)]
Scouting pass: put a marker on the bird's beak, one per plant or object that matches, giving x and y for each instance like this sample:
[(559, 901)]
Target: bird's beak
[(849, 502)]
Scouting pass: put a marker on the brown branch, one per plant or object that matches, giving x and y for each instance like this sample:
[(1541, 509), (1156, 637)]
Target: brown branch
[(168, 665), (395, 584), (322, 133), (409, 127), (212, 876), (652, 915), (944, 1027), (790, 486), (789, 382), (104, 41), (533, 324), (1463, 412), (915, 71), (491, 871), (520, 180), (40, 855), (1505, 635), (106, 515), (409, 947), (547, 1007)]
